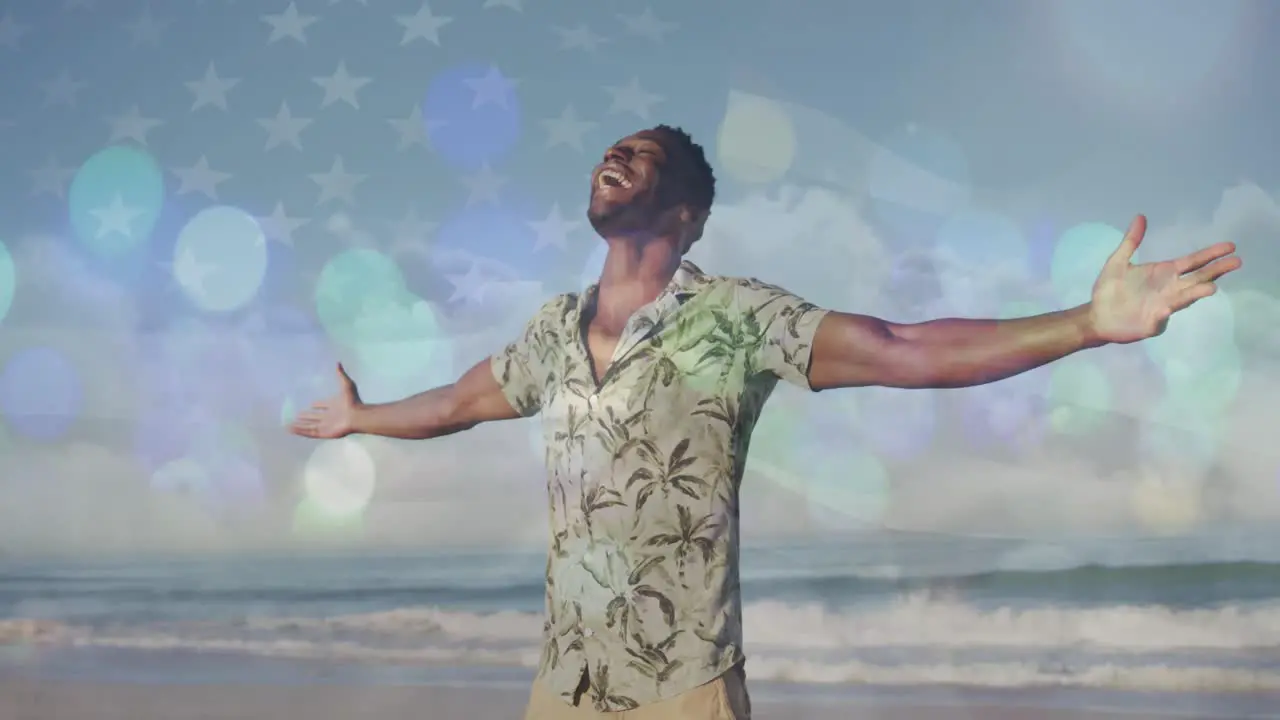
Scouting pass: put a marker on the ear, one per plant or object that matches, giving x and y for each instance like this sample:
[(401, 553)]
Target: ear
[(693, 222)]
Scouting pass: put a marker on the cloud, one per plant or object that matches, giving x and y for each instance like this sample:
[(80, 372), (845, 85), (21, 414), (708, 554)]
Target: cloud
[(1102, 484), (810, 240), (487, 485), (62, 304), (88, 498)]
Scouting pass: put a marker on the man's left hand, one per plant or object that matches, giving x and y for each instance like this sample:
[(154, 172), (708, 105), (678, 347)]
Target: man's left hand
[(1133, 302)]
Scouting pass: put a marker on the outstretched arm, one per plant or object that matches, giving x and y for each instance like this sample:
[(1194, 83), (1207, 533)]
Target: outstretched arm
[(475, 398), (1130, 303), (506, 386), (857, 350)]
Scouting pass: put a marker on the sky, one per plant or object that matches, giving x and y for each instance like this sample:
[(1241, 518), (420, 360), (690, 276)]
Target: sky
[(206, 207)]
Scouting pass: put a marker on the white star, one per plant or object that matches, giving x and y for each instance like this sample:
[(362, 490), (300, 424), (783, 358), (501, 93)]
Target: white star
[(11, 31), (422, 24), (492, 88), (62, 90), (279, 226), (554, 230), (51, 179), (567, 129), (337, 184), (579, 37), (200, 178), (145, 30), (115, 218), (211, 89), (132, 126), (341, 86), (469, 287), (517, 5), (284, 128), (190, 272), (647, 25), (414, 129), (289, 24), (411, 228), (485, 186), (633, 99)]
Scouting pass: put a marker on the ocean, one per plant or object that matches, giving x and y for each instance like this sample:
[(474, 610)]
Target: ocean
[(1165, 621)]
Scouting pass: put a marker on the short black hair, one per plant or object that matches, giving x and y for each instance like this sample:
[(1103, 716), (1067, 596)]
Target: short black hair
[(702, 183)]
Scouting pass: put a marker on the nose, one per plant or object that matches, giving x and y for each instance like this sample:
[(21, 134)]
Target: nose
[(617, 154)]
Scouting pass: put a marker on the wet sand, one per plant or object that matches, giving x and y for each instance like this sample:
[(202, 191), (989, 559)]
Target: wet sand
[(32, 699)]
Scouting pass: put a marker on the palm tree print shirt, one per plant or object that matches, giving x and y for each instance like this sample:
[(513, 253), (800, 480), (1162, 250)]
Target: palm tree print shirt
[(643, 474)]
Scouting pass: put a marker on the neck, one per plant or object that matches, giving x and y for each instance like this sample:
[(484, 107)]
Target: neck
[(639, 268)]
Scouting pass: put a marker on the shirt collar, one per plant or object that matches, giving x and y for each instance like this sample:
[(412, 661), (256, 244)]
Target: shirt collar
[(686, 283)]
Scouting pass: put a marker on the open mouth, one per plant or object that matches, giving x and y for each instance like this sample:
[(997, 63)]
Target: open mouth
[(610, 178)]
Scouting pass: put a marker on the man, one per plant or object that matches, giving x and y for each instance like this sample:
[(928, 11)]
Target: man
[(649, 384)]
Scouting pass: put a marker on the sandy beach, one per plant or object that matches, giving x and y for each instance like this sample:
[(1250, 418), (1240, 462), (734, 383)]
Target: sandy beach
[(42, 700)]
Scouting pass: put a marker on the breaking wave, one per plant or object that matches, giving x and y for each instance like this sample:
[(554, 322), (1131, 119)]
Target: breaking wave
[(920, 638)]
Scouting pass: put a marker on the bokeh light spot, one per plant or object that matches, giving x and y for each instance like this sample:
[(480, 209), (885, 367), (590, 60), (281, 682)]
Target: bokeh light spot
[(184, 476), (1168, 503), (8, 281), (1078, 257), (220, 258), (339, 477), (351, 282), (773, 449), (757, 142), (1210, 386), (305, 391), (1199, 357), (40, 393), (115, 200), (977, 253), (401, 349), (311, 520), (500, 243), (1079, 396), (472, 114)]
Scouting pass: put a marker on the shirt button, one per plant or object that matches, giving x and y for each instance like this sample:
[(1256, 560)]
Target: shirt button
[(593, 401), (589, 632)]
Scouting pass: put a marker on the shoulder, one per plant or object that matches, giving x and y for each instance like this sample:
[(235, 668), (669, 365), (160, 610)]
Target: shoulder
[(557, 310), (754, 295)]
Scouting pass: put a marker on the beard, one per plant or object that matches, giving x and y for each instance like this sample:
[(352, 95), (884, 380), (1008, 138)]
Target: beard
[(602, 219), (637, 215)]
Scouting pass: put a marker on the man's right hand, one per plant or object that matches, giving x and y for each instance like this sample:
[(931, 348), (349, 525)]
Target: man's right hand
[(332, 418)]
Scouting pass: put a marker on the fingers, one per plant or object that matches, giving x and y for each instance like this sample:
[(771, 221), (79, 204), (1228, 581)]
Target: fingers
[(1132, 239), (305, 429), (1201, 258), (1214, 270), (343, 377), (1192, 294), (311, 417)]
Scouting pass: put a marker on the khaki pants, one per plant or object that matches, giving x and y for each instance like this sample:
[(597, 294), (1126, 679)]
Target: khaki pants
[(724, 698)]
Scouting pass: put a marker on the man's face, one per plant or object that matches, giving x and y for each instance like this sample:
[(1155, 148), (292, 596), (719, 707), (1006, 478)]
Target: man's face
[(626, 191)]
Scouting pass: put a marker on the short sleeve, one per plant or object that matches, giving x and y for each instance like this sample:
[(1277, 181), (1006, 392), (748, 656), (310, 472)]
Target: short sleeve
[(787, 325), (522, 368)]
